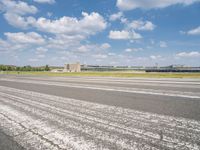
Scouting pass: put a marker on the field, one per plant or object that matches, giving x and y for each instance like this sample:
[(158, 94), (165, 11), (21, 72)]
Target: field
[(110, 74)]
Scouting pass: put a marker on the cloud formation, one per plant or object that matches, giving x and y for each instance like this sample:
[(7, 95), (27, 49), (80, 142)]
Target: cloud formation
[(45, 1), (26, 38), (89, 24), (124, 35), (130, 28), (189, 54), (115, 16), (155, 57), (163, 44), (133, 49), (141, 25), (14, 12), (150, 4), (195, 31)]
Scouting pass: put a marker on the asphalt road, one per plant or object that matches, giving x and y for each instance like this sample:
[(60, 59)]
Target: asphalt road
[(99, 113)]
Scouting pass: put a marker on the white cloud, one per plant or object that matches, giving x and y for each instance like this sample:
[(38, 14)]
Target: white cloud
[(182, 32), (128, 33), (7, 46), (60, 46), (195, 31), (41, 56), (84, 48), (163, 44), (149, 4), (3, 45), (116, 16), (62, 41), (105, 46), (112, 54), (128, 50), (154, 57), (141, 25), (188, 54), (15, 10), (18, 21), (133, 49), (66, 31), (45, 1), (16, 15), (92, 48), (25, 38), (33, 59), (88, 25), (124, 35), (124, 20), (100, 56), (41, 50), (49, 14), (119, 34), (15, 20), (17, 7)]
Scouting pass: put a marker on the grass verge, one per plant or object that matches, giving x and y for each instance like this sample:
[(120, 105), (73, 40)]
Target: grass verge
[(109, 74)]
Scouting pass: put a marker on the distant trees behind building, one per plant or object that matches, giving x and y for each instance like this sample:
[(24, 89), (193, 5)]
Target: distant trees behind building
[(24, 68)]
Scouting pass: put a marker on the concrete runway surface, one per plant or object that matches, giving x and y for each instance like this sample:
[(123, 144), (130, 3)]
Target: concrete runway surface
[(86, 113)]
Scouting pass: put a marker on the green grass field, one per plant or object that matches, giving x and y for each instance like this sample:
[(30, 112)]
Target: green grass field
[(110, 74)]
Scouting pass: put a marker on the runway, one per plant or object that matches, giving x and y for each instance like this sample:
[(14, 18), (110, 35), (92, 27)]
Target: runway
[(87, 113)]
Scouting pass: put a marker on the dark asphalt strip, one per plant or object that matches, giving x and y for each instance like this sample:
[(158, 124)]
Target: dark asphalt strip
[(173, 106), (161, 86), (7, 143)]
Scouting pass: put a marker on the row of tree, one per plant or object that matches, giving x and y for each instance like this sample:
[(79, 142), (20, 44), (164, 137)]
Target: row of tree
[(24, 68)]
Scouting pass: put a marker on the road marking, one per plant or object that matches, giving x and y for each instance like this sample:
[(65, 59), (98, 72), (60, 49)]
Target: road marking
[(190, 95), (131, 82), (195, 82), (41, 121)]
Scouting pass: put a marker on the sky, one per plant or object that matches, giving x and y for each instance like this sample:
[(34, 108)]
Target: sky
[(100, 32)]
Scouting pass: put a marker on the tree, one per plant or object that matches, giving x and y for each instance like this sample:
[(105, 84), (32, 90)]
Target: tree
[(9, 68), (18, 69), (28, 68), (47, 68), (4, 68)]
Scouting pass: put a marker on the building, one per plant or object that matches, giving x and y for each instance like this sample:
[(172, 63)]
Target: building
[(173, 68), (72, 67)]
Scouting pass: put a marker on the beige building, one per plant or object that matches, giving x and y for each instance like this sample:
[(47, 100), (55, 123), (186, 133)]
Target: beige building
[(72, 67)]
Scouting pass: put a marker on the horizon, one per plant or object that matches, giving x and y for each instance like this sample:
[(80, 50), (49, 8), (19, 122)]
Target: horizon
[(178, 65), (114, 33)]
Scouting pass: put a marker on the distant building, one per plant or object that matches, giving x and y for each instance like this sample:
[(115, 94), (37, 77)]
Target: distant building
[(72, 67)]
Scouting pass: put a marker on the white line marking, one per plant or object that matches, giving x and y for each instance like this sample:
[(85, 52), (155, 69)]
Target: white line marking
[(116, 89), (131, 82), (39, 121), (195, 82)]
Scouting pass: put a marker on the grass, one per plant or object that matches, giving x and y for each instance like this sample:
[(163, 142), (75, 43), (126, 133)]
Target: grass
[(110, 74)]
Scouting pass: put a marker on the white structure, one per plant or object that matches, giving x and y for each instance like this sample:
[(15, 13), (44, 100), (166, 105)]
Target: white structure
[(72, 67)]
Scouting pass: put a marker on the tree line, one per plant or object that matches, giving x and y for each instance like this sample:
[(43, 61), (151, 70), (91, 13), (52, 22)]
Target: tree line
[(24, 68)]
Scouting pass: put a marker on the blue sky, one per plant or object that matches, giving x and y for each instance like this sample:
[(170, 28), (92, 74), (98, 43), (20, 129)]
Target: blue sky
[(114, 32)]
